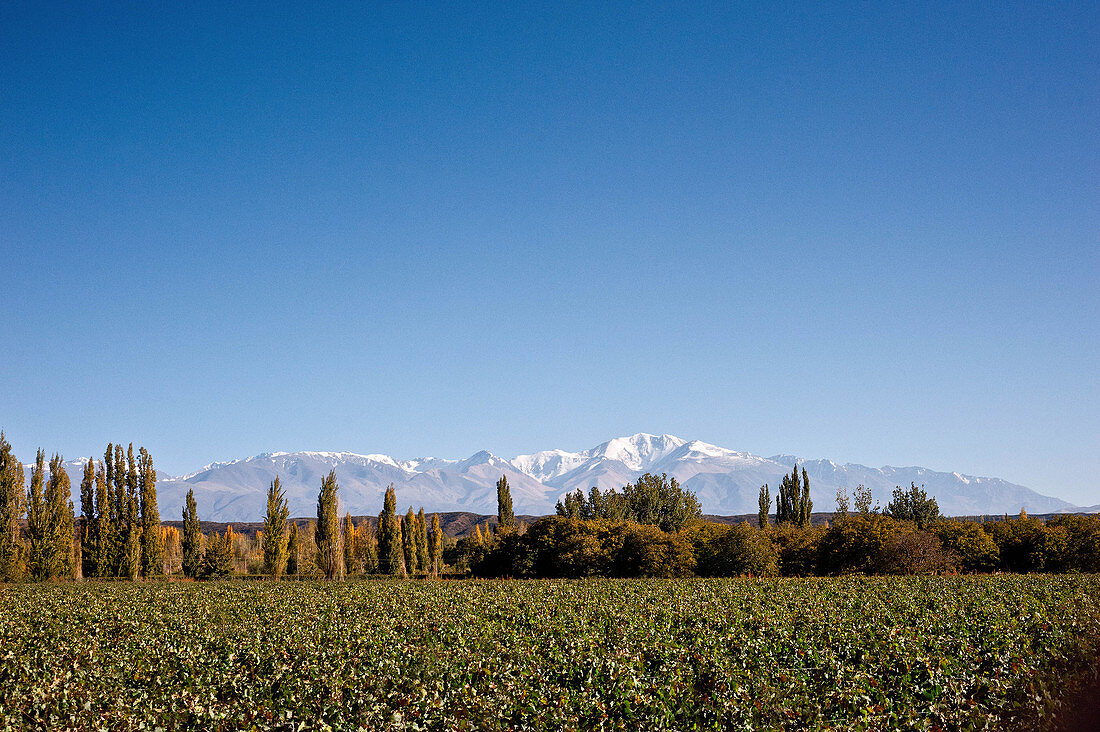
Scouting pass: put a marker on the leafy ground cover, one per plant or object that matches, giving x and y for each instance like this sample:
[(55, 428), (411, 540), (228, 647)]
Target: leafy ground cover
[(849, 653)]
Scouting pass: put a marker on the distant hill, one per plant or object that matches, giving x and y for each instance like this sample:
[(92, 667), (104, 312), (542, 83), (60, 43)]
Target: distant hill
[(726, 481)]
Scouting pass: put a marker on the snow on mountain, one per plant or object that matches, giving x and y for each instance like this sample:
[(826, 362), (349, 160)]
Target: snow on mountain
[(725, 481)]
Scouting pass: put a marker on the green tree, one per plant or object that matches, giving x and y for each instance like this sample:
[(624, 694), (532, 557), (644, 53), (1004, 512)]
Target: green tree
[(152, 536), (126, 492), (191, 541), (913, 505), (659, 501), (788, 502), (805, 505), (765, 506), (422, 559), (59, 521), (89, 550), (217, 560), (13, 504), (436, 546), (506, 518), (38, 558), (330, 549), (390, 555), (863, 500), (275, 534), (105, 531), (408, 541)]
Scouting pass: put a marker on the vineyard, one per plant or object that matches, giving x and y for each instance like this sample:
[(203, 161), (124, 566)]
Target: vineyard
[(999, 652)]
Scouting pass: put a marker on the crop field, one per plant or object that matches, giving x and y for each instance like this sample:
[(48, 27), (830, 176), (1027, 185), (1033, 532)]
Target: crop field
[(852, 653)]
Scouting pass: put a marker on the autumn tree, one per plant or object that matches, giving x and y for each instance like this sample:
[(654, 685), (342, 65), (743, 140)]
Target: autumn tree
[(13, 504), (330, 550), (351, 545), (275, 533), (59, 520), (436, 547)]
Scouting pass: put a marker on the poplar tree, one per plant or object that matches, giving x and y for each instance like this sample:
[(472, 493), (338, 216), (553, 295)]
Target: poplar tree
[(330, 551), (13, 504), (765, 506), (293, 550), (367, 547), (436, 546), (351, 545), (120, 512), (506, 518), (408, 541), (152, 538), (59, 520), (88, 545), (191, 542), (390, 556), (805, 505), (422, 558), (275, 534), (786, 502), (38, 559), (131, 546), (104, 528)]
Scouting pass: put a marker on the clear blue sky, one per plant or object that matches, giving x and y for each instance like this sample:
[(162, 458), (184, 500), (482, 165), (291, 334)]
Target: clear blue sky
[(866, 233)]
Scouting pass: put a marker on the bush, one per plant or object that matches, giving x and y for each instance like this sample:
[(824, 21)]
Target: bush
[(973, 549), (738, 550), (798, 548)]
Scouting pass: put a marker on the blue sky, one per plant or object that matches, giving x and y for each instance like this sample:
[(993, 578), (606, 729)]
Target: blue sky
[(859, 232)]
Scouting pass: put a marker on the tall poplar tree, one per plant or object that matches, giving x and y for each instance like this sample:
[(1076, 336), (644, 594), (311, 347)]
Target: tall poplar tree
[(408, 541), (59, 520), (152, 537), (293, 550), (330, 550), (104, 528), (506, 518), (788, 504), (191, 542), (390, 555), (38, 548), (13, 504), (765, 506), (805, 505), (351, 545), (88, 545), (422, 558), (436, 546), (275, 534), (131, 545)]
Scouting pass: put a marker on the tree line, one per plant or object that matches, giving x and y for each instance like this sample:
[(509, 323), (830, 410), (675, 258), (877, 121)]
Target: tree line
[(651, 527)]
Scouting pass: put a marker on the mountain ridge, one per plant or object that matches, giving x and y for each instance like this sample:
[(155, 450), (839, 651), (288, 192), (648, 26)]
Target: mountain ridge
[(726, 481)]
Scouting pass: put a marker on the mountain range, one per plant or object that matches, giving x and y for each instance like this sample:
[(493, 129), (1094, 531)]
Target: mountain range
[(725, 481)]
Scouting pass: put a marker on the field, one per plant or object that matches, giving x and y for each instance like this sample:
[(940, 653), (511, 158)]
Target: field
[(853, 653)]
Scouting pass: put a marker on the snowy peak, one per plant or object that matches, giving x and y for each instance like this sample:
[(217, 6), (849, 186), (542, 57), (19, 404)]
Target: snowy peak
[(638, 452)]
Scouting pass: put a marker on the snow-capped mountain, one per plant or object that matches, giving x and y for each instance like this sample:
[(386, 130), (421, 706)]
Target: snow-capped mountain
[(725, 481)]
